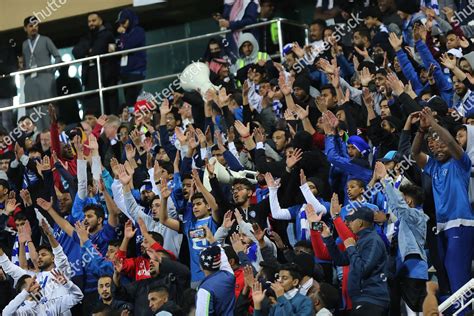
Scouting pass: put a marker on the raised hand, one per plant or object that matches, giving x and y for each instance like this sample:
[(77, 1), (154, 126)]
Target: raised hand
[(367, 97), (243, 130), (395, 41), (311, 214), (223, 98), (293, 158), (129, 232), (45, 205), (165, 191), (366, 77), (258, 232), (11, 204), (165, 107), (249, 278), (380, 171), (285, 87), (82, 231), (24, 233), (118, 265), (52, 113), (277, 239), (448, 62), (257, 294), (26, 197), (335, 208), (130, 151), (258, 135), (395, 84), (228, 221), (124, 177), (59, 277), (237, 243), (269, 180), (302, 112), (302, 177)]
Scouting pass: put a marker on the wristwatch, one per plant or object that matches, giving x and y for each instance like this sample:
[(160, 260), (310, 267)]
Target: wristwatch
[(336, 216)]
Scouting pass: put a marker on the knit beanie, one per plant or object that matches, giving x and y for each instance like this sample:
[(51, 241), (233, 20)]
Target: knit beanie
[(360, 144), (210, 258), (302, 82)]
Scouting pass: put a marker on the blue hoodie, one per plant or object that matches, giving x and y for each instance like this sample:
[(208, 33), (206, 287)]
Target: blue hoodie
[(133, 37)]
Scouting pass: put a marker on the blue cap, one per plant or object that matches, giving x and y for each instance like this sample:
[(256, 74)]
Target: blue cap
[(390, 156), (287, 49), (360, 144), (363, 213)]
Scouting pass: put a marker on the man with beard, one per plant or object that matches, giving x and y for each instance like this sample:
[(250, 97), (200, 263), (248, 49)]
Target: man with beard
[(450, 169), (63, 151), (171, 239), (99, 40), (163, 272), (361, 42), (107, 297), (138, 268), (37, 52), (49, 258), (220, 74)]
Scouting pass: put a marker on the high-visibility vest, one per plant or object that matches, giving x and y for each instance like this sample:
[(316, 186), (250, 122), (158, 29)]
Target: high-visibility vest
[(274, 32), (241, 63), (260, 55)]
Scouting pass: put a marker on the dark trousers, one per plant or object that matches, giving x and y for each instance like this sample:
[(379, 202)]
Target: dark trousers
[(131, 93), (412, 291), (368, 309)]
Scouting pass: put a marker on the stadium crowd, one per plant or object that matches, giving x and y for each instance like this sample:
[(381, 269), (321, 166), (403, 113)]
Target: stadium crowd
[(337, 181)]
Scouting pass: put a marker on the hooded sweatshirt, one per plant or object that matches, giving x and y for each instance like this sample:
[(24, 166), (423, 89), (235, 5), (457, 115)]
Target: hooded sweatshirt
[(134, 37), (253, 57), (470, 153)]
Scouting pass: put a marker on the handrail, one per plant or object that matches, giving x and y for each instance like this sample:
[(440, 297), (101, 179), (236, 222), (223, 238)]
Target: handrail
[(132, 50), (97, 58), (459, 298)]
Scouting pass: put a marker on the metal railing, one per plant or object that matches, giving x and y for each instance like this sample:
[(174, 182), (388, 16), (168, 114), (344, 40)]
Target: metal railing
[(101, 89)]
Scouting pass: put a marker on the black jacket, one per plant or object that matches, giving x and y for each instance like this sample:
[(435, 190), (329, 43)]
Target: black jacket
[(96, 43), (173, 275)]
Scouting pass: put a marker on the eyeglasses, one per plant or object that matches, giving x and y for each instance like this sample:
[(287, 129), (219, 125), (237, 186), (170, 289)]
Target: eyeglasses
[(238, 188)]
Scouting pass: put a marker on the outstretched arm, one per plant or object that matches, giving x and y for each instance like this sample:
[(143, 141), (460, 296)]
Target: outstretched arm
[(64, 224)]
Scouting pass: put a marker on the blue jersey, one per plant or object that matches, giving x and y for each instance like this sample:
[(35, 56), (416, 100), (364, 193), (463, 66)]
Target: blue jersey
[(196, 245), (71, 248), (298, 214), (101, 239), (450, 181)]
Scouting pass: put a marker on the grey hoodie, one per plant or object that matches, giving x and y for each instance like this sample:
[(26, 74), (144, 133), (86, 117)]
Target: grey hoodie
[(252, 58), (470, 153)]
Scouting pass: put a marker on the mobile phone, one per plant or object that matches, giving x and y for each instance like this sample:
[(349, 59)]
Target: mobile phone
[(318, 226), (197, 233)]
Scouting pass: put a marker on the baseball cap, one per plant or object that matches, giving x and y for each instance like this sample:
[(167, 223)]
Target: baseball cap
[(146, 186), (390, 156), (363, 213)]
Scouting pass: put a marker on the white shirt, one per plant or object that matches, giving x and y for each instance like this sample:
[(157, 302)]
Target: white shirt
[(306, 286)]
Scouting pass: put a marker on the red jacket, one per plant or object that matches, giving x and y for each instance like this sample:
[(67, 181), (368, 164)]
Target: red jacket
[(139, 267), (321, 252), (55, 146)]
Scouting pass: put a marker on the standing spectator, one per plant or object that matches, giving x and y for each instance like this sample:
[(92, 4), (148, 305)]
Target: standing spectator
[(99, 40), (237, 14), (133, 65), (215, 295), (8, 64), (367, 258), (450, 169), (268, 34), (37, 52)]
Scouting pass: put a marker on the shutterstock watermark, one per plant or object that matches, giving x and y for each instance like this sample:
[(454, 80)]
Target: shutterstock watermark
[(51, 7), (402, 166), (18, 131), (168, 91), (340, 31)]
